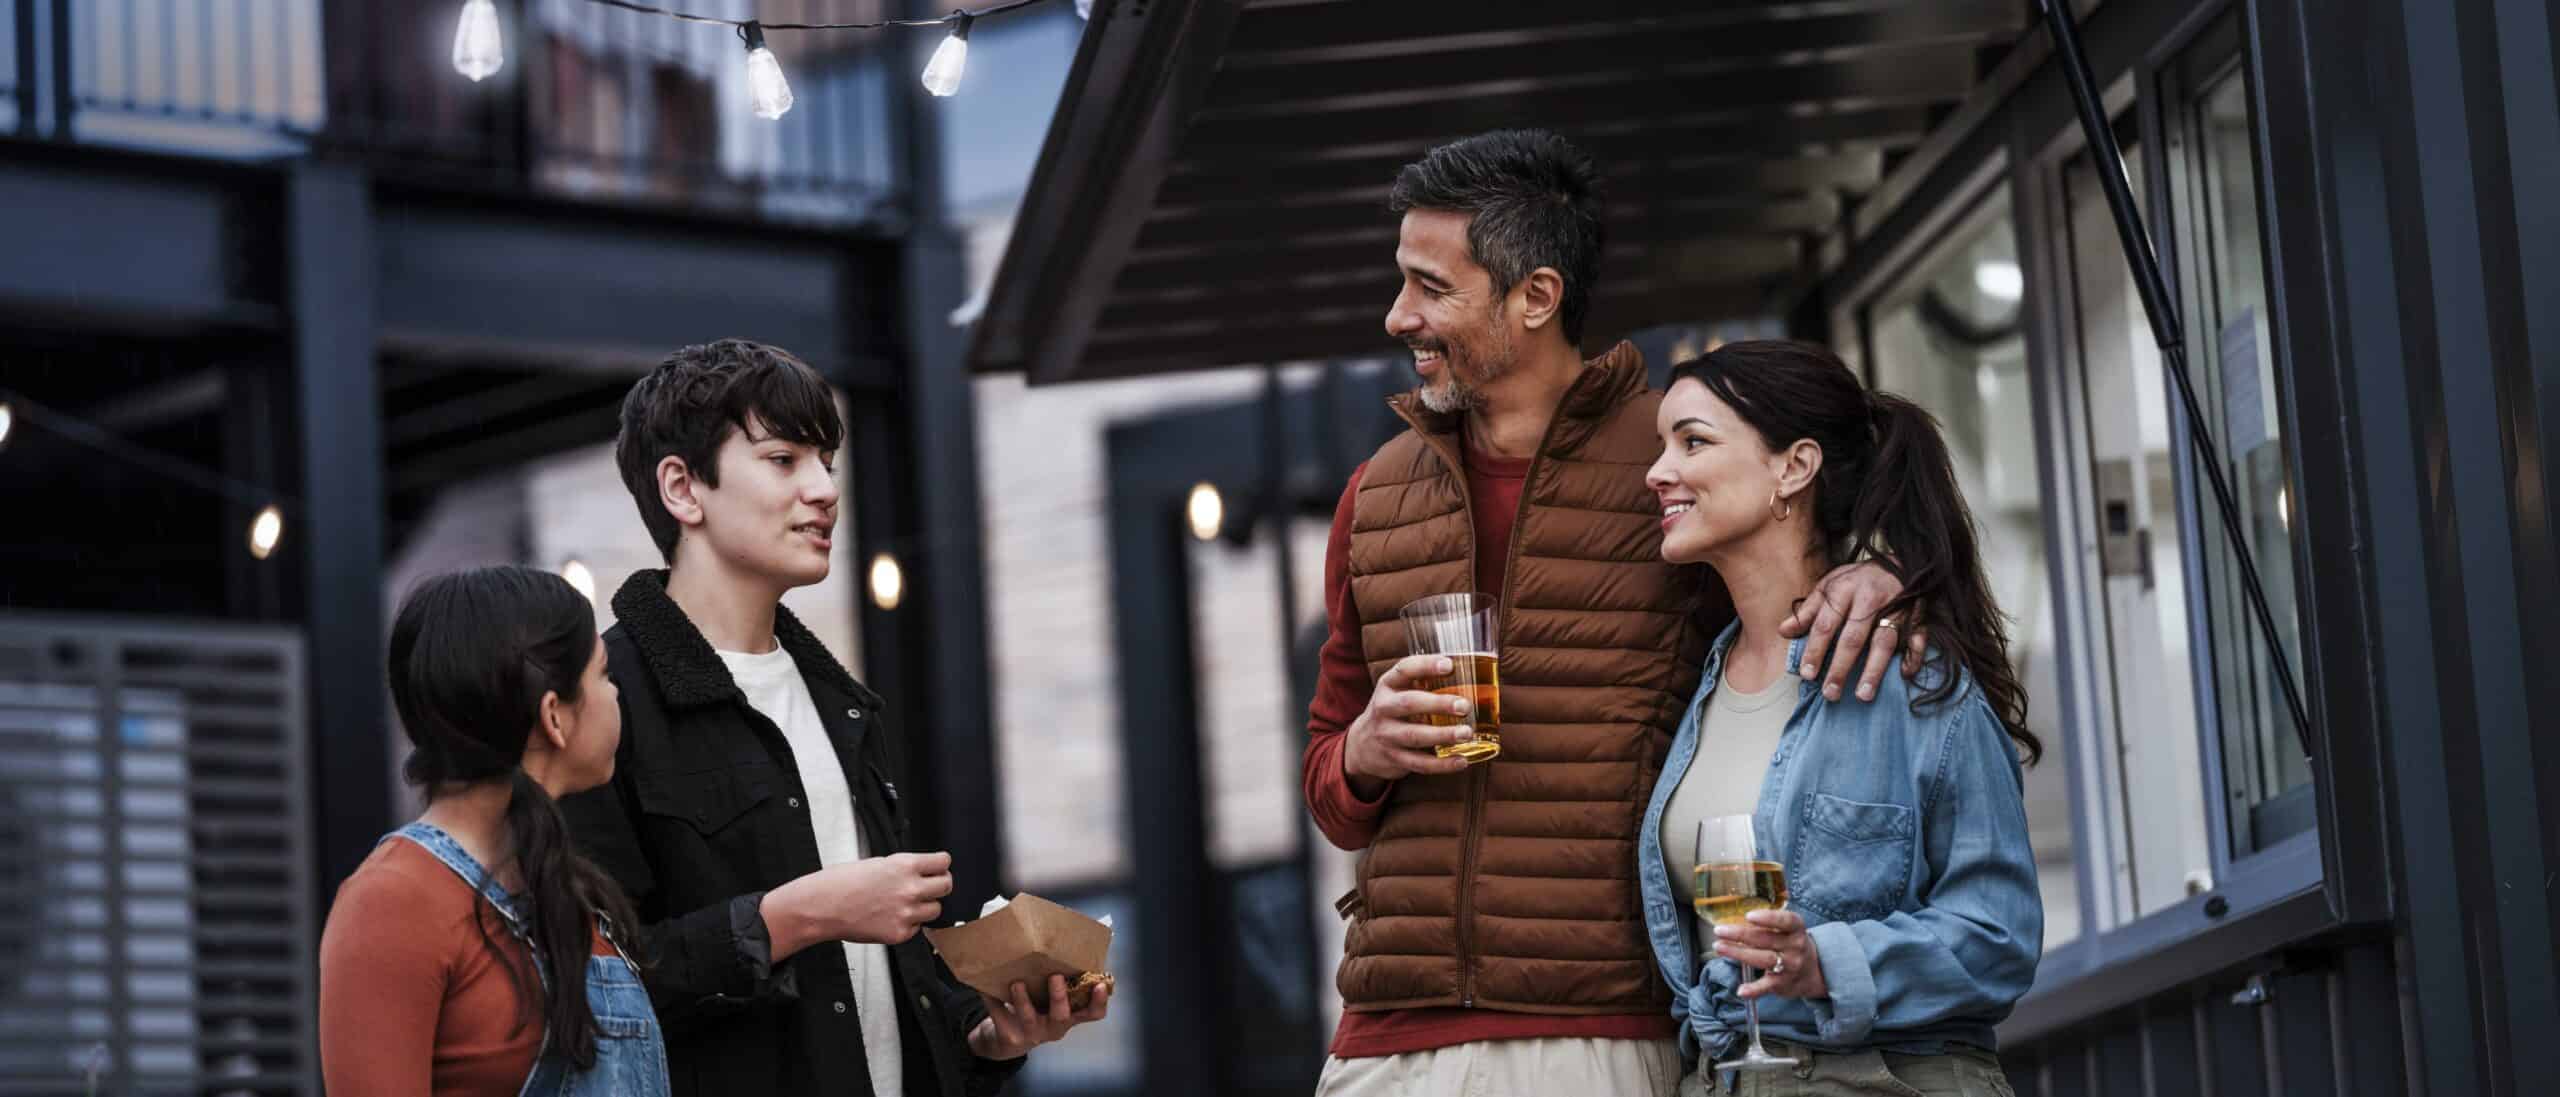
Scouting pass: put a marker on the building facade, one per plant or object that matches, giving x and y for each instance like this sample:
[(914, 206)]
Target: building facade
[(2357, 207)]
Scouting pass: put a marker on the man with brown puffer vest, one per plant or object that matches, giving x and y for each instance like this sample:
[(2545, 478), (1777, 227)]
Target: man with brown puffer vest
[(1496, 944)]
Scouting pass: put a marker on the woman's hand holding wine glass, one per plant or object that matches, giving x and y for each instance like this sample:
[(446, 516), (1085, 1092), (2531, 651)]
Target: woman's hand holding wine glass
[(1774, 941)]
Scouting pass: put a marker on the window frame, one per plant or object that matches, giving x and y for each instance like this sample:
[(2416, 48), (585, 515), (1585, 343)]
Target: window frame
[(2264, 895)]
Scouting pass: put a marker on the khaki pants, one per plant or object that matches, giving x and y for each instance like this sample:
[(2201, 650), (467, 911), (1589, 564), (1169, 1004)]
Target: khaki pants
[(1561, 1066), (1965, 1073)]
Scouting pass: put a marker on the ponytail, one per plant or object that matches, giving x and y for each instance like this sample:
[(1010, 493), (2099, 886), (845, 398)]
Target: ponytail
[(1911, 517), (1886, 492), (472, 655), (565, 890)]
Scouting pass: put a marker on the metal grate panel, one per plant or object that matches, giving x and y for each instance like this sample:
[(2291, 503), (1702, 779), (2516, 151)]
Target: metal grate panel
[(155, 867)]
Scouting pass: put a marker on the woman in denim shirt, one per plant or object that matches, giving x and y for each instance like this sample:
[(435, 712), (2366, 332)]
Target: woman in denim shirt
[(1914, 923), (475, 952)]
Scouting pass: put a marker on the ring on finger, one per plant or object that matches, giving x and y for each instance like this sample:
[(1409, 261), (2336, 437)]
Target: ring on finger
[(1888, 623), (1779, 965)]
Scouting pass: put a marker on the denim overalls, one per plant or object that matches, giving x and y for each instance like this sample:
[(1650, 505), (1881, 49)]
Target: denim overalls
[(631, 1055)]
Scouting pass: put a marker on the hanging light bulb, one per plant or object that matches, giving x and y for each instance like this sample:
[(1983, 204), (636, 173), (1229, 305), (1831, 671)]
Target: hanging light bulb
[(888, 582), (478, 51), (1207, 511), (575, 571), (766, 88), (264, 531), (950, 59)]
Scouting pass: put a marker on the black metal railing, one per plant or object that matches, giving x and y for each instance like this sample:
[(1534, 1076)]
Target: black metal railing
[(592, 102)]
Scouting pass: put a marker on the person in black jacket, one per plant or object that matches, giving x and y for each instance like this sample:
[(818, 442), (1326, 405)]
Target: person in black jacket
[(754, 816)]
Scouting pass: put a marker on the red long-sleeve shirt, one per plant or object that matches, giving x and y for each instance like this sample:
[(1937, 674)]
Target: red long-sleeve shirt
[(1343, 688)]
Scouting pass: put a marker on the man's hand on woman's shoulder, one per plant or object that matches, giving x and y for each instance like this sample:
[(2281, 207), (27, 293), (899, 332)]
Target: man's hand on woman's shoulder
[(1845, 616)]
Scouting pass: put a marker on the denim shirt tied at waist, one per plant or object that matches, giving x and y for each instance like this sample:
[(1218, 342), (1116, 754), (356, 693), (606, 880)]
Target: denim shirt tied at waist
[(1904, 837), (631, 1054)]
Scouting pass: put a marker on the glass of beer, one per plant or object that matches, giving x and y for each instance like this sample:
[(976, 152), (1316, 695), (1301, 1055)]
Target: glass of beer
[(1462, 627), (1732, 882)]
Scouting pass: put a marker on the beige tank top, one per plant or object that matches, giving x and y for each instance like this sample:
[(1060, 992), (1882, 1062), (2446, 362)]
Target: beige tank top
[(1737, 734)]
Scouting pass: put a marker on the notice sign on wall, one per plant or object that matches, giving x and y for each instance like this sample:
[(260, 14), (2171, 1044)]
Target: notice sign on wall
[(2248, 417)]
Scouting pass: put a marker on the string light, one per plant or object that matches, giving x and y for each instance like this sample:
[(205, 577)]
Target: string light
[(888, 582), (478, 50), (264, 531), (950, 59), (766, 88), (1207, 511)]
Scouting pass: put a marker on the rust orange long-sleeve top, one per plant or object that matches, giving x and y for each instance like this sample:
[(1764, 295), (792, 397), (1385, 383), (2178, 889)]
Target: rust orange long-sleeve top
[(413, 1001)]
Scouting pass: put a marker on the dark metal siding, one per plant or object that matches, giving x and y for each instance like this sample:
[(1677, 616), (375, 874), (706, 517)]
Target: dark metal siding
[(2330, 1023)]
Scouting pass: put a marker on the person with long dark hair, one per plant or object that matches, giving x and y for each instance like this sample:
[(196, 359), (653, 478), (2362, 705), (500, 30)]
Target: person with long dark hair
[(475, 951), (1885, 900)]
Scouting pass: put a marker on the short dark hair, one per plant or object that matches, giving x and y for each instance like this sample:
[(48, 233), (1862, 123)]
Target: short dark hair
[(1533, 201), (688, 405)]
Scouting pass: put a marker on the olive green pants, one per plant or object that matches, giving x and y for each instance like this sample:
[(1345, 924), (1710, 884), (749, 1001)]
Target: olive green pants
[(1962, 1073)]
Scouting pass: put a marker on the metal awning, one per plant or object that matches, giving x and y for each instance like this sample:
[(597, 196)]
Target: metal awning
[(1213, 188)]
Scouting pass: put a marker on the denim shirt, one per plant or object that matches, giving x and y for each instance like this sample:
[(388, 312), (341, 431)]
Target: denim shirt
[(631, 1055), (1904, 837)]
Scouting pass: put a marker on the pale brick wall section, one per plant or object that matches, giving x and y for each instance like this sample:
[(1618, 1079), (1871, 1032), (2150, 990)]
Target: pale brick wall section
[(1254, 737), (476, 524), (1041, 454), (576, 509), (1253, 731)]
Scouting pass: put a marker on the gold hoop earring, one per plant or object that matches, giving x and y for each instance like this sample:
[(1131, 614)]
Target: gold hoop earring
[(1778, 511)]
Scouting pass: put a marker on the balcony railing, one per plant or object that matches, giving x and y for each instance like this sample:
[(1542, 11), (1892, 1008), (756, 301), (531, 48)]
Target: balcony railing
[(593, 102), (222, 77)]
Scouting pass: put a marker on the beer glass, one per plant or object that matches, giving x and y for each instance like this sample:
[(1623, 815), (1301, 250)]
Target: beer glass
[(1462, 627), (1732, 882)]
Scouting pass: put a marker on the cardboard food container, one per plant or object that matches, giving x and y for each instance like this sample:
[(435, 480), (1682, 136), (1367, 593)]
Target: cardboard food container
[(1026, 942)]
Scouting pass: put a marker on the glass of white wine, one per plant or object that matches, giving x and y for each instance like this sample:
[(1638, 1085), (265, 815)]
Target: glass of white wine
[(1733, 881)]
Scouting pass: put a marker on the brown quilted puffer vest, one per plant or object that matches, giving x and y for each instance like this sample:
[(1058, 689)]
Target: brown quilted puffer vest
[(1512, 886)]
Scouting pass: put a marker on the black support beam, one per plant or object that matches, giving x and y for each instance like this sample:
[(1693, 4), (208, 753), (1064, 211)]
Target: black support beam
[(336, 537)]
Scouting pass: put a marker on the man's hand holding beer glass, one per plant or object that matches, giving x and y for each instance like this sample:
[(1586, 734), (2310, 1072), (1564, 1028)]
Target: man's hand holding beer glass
[(1391, 739)]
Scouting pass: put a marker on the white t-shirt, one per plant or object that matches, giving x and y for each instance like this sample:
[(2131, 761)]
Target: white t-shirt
[(773, 685)]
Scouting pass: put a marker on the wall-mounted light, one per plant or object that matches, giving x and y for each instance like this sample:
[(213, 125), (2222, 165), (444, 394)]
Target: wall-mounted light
[(2000, 280), (1206, 511), (8, 419), (575, 571), (888, 582), (265, 531)]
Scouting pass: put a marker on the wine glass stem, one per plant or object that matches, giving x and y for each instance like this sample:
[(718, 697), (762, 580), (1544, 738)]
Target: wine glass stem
[(1751, 1006)]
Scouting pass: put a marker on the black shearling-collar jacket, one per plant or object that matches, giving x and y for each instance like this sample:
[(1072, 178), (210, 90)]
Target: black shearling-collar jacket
[(703, 816)]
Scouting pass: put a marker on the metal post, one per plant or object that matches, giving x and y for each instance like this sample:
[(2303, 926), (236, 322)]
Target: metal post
[(2153, 285), (946, 572), (337, 539), (1279, 507), (62, 83), (1180, 953), (23, 78)]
